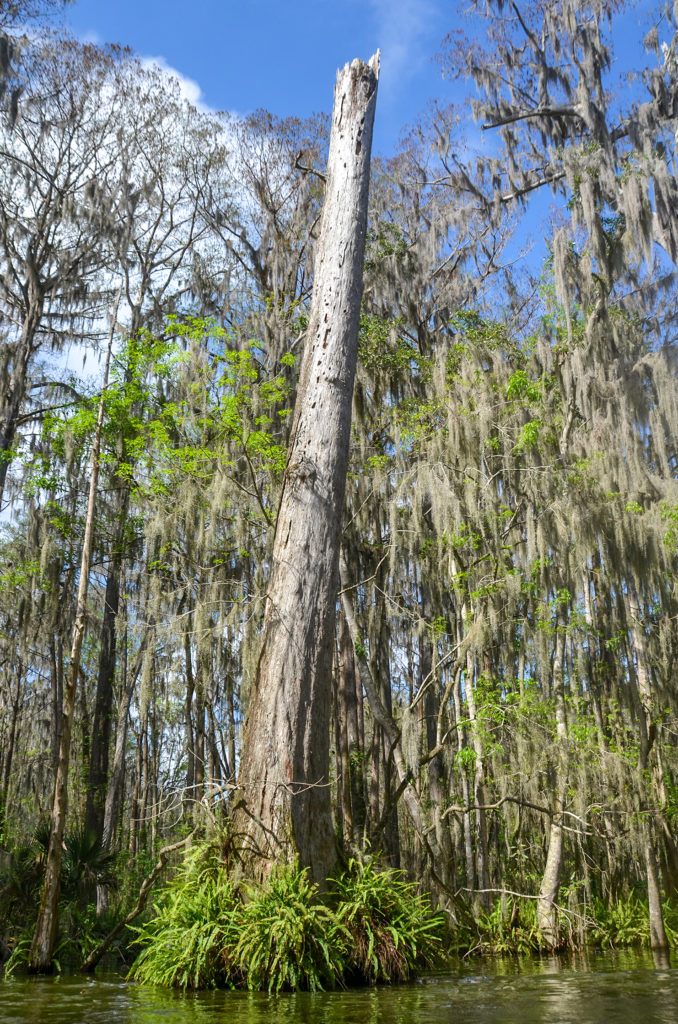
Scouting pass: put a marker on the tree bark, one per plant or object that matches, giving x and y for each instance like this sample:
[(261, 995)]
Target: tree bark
[(11, 741), (113, 804), (406, 782), (658, 937), (283, 803), (42, 949), (97, 782), (547, 909), (14, 389)]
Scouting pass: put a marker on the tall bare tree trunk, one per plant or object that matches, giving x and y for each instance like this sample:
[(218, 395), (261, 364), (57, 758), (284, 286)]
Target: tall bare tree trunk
[(114, 791), (10, 744), (42, 950), (658, 937), (97, 782), (283, 804), (547, 910)]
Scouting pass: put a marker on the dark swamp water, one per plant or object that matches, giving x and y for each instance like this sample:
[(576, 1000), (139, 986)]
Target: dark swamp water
[(593, 988)]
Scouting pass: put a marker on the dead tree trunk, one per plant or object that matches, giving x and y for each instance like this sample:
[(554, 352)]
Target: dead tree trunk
[(283, 803)]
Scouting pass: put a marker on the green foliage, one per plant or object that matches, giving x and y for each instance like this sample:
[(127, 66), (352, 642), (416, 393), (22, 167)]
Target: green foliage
[(510, 926), (669, 516), (529, 436), (186, 943), (384, 241), (85, 862), (626, 922), (520, 385), (176, 407), (382, 348), (282, 934), (20, 883), (504, 928), (392, 929), (18, 958), (288, 938)]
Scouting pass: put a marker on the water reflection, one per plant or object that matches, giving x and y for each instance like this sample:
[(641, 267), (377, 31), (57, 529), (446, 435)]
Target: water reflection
[(587, 988), (662, 959)]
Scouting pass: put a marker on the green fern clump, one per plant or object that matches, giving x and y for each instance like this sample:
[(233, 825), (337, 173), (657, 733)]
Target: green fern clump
[(289, 939), (622, 923), (188, 943), (392, 929), (626, 922), (495, 931), (282, 934)]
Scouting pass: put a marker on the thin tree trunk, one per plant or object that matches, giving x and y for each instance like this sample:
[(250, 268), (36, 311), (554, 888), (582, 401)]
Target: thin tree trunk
[(189, 792), (658, 937), (15, 385), (478, 783), (283, 804), (351, 694), (11, 742), (112, 807), (231, 727), (97, 781), (136, 792), (343, 663), (42, 950), (144, 785), (547, 910), (391, 829), (94, 958), (57, 664), (430, 708), (406, 783), (469, 860)]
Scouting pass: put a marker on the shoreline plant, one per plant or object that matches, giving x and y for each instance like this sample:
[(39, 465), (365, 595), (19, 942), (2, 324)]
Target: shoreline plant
[(392, 929), (284, 935)]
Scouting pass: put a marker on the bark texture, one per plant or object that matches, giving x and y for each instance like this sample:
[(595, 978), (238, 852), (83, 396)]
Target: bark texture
[(42, 949), (283, 803), (547, 909)]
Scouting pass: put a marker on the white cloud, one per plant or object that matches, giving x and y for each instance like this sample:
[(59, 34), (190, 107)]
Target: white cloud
[(190, 89)]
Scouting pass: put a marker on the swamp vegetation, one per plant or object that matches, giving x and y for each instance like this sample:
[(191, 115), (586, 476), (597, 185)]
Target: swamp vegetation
[(499, 691)]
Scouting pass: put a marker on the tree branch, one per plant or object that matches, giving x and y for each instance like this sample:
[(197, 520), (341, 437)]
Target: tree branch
[(94, 958)]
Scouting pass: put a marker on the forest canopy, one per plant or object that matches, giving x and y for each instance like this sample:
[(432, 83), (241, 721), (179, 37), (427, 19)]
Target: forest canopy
[(503, 711)]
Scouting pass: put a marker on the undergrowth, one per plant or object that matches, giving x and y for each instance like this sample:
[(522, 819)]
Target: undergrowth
[(189, 941), (392, 931), (289, 938), (627, 923), (284, 935), (510, 927)]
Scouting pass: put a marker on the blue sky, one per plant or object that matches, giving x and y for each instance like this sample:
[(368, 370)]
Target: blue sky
[(283, 54)]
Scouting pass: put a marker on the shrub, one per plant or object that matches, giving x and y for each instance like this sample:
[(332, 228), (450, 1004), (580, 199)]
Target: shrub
[(283, 934), (495, 931), (627, 922), (187, 942), (288, 937), (393, 931)]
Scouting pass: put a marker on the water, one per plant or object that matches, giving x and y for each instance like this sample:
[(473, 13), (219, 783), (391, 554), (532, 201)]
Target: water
[(621, 988)]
